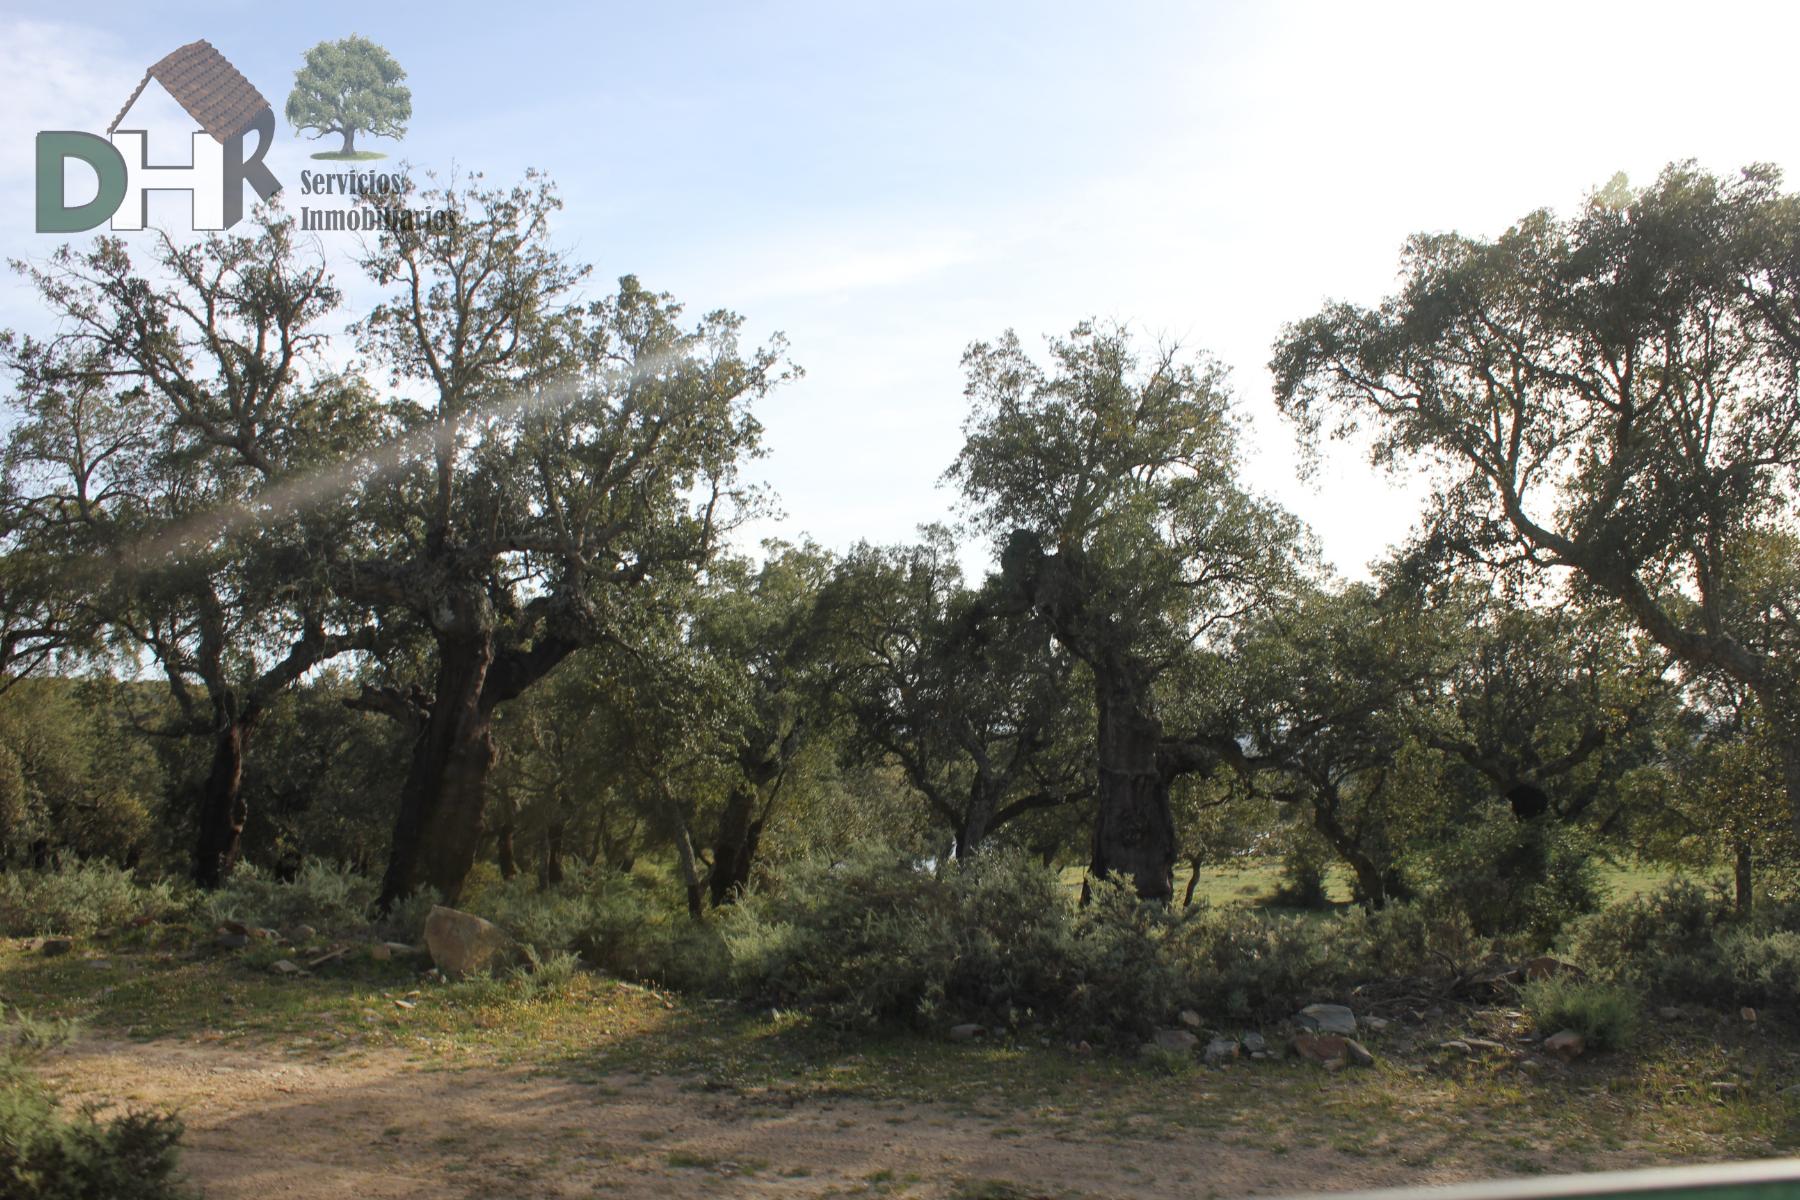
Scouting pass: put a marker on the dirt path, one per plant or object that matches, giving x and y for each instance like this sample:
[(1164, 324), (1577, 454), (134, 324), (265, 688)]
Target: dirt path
[(376, 1125)]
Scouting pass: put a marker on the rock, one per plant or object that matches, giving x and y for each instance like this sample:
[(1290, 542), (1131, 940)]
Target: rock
[(401, 949), (99, 964), (1546, 967), (301, 934), (1749, 1015), (464, 944), (1566, 1044), (1457, 1046), (1261, 1055), (235, 927), (1219, 1051), (1375, 1024), (1359, 1055), (967, 1033), (1174, 1039), (1327, 1049), (1484, 1046), (1792, 1090), (1669, 1013), (284, 966), (1327, 1018), (1083, 1048), (1190, 1018), (1725, 1088), (53, 947), (234, 941), (1254, 1043), (379, 952)]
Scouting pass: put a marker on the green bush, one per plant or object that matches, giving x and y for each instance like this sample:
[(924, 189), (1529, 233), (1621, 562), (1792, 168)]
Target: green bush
[(1606, 1016), (1666, 943), (1762, 967), (47, 1155), (321, 895), (1529, 877), (79, 900)]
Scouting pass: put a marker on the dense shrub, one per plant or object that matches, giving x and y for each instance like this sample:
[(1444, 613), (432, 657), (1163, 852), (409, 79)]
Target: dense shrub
[(1665, 943), (47, 1155), (1605, 1015), (1509, 876), (616, 921), (79, 900), (320, 894)]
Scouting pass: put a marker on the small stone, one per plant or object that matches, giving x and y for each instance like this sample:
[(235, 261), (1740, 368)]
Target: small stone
[(1327, 1018), (1725, 1087), (1261, 1055), (1083, 1048), (54, 947), (237, 927), (1174, 1039), (1457, 1046), (1791, 1091), (1669, 1013), (1219, 1051), (1376, 1024), (1190, 1018), (1254, 1042), (1566, 1044), (402, 949), (100, 964), (380, 952), (404, 1004), (967, 1033), (1358, 1053), (284, 966), (301, 934), (234, 941), (1530, 1066), (1483, 1046), (1749, 1014)]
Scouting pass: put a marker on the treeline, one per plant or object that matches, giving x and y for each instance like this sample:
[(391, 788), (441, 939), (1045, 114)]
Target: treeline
[(471, 598)]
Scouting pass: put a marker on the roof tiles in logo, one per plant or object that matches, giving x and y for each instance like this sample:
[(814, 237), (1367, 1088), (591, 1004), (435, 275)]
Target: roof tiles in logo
[(207, 86)]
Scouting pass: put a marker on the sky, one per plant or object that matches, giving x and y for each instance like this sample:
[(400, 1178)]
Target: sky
[(886, 183)]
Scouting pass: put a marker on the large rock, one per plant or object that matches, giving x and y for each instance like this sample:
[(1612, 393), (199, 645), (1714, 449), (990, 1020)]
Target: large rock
[(1566, 1044), (1546, 967), (1327, 1049), (1327, 1018), (1220, 1051), (1174, 1039), (463, 944)]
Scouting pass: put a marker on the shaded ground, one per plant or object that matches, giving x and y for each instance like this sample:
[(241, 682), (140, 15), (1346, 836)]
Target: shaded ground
[(374, 1124), (365, 1080)]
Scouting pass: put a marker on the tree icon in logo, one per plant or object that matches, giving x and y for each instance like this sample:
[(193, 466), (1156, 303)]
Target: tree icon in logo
[(348, 87)]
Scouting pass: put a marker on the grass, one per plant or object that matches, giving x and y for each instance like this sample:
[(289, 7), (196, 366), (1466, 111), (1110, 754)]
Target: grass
[(353, 156)]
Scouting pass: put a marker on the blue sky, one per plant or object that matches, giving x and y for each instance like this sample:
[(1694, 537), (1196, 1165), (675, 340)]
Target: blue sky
[(886, 183)]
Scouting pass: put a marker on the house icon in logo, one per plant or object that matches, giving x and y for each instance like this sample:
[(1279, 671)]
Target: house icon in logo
[(225, 105)]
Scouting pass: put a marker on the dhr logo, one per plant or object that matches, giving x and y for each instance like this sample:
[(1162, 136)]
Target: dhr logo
[(228, 108)]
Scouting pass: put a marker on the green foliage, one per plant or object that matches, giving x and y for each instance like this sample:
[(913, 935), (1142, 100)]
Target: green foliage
[(1513, 876), (1605, 1015), (80, 900), (46, 1154), (320, 894), (1665, 943)]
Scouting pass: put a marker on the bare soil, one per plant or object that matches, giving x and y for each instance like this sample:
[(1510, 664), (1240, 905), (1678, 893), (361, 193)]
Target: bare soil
[(379, 1125)]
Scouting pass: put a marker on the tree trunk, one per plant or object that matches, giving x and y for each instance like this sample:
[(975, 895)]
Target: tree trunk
[(734, 850), (552, 873), (690, 873), (438, 827), (503, 851), (349, 146), (222, 807), (1187, 901), (1742, 877), (1134, 829)]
